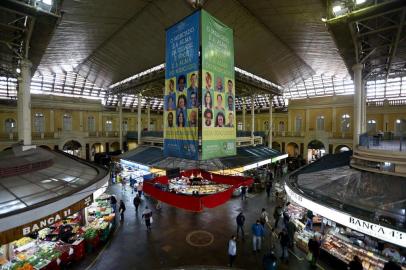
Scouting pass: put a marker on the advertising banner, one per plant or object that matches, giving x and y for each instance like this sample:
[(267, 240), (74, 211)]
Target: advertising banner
[(218, 89), (181, 88)]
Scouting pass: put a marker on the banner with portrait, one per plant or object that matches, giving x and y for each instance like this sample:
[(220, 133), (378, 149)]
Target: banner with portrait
[(181, 101), (218, 89)]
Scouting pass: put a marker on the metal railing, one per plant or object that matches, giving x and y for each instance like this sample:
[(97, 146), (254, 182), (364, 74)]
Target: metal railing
[(383, 142)]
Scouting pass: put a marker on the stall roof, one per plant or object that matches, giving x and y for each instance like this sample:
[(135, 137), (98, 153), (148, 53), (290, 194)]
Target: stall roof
[(64, 177), (154, 157)]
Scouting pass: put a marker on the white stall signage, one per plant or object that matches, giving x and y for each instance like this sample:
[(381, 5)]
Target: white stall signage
[(368, 228)]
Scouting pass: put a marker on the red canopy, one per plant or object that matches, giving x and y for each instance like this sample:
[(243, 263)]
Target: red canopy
[(196, 203)]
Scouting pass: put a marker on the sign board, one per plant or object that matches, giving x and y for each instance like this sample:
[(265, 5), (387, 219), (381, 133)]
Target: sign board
[(46, 221), (375, 230), (181, 103)]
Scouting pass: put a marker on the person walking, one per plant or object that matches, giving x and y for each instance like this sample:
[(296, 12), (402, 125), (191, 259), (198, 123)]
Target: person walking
[(314, 250), (291, 232), (139, 189), (121, 210), (136, 202), (147, 215), (269, 261), (277, 215), (355, 264), (264, 217), (123, 184), (243, 193), (132, 182), (284, 241), (240, 219), (113, 203), (268, 189), (232, 250), (257, 234)]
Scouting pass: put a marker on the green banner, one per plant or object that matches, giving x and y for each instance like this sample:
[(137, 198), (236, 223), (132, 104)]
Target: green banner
[(218, 89)]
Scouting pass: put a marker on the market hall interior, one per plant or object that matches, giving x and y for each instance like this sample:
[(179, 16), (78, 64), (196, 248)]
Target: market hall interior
[(303, 102)]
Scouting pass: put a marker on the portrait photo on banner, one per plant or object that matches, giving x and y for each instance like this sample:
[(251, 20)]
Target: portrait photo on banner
[(192, 90)]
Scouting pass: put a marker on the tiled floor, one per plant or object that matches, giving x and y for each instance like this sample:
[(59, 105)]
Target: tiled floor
[(166, 247)]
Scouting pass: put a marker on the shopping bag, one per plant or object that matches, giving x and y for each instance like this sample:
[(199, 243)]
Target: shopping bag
[(151, 220), (309, 257)]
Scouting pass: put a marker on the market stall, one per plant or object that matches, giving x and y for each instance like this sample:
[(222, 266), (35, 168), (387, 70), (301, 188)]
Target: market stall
[(60, 239), (194, 189), (339, 243)]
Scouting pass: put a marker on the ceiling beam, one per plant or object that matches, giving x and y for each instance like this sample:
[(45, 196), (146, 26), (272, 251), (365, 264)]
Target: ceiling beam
[(396, 42)]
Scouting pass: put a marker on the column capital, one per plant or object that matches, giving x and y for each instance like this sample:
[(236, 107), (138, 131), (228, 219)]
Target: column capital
[(357, 67)]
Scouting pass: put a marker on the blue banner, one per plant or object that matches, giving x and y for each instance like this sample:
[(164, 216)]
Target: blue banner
[(181, 88)]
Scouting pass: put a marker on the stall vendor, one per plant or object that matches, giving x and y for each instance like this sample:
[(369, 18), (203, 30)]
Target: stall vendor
[(65, 232)]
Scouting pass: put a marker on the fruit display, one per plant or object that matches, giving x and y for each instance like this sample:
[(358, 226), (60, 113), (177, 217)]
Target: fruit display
[(23, 241)]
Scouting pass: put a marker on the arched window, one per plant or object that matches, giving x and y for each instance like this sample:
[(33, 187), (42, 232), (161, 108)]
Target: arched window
[(67, 122), (10, 125), (298, 124), (398, 125), (345, 123), (266, 125), (39, 122), (125, 126), (239, 126), (320, 122), (108, 126), (371, 125), (281, 126), (91, 123)]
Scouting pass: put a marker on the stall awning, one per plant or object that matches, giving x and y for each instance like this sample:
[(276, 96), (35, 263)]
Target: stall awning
[(246, 156)]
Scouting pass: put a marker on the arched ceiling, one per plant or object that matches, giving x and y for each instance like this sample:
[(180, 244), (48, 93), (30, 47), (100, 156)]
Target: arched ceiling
[(108, 41)]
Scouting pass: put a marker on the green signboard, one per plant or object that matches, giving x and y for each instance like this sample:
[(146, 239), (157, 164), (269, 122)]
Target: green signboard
[(218, 89)]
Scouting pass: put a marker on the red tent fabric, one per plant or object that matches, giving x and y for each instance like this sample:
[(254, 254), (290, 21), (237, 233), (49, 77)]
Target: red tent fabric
[(196, 203)]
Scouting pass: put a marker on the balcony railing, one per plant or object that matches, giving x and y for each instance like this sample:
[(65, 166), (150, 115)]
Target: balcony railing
[(381, 142)]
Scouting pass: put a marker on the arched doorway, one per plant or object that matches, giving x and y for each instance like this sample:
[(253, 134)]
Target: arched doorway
[(114, 146), (276, 146), (96, 148), (341, 148), (46, 147), (73, 148), (315, 150), (292, 149)]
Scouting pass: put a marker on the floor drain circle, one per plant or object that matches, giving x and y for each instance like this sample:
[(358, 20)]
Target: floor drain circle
[(199, 238)]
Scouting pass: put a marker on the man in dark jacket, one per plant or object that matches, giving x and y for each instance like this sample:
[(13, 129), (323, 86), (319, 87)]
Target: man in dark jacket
[(314, 249), (355, 264), (240, 219), (284, 240), (136, 202)]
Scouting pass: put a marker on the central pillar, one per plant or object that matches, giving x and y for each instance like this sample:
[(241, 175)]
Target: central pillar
[(120, 121), (357, 68), (24, 103), (244, 110), (252, 118), (363, 108), (148, 114), (270, 122), (139, 119)]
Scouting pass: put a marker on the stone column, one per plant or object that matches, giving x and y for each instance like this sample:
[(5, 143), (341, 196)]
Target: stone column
[(120, 121), (148, 114), (81, 121), (363, 108), (51, 121), (139, 126), (252, 118), (24, 100), (244, 110), (307, 121), (270, 122), (334, 121), (357, 68)]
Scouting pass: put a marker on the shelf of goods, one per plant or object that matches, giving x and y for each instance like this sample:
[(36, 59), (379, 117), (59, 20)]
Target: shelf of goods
[(204, 188), (339, 247), (48, 251)]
